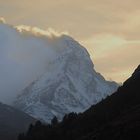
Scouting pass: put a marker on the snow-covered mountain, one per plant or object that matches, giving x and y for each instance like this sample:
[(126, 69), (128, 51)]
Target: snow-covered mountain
[(70, 84)]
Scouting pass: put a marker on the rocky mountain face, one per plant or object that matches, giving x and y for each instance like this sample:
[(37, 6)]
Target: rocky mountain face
[(70, 84), (13, 122), (115, 118)]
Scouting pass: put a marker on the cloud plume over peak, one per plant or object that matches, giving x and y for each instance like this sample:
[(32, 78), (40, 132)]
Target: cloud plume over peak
[(23, 58), (50, 33), (35, 31)]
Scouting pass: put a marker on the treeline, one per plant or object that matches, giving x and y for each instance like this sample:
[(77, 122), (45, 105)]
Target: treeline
[(64, 130)]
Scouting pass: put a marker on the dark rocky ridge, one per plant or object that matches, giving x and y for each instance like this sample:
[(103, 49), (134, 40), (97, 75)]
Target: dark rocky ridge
[(12, 122)]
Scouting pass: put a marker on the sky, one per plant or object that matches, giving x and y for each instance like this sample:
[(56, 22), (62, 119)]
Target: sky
[(109, 29)]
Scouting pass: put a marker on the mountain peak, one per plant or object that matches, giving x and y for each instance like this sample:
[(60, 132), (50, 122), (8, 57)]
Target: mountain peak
[(70, 84)]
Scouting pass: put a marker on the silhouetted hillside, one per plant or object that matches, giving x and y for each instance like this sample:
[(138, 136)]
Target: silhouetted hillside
[(115, 118), (12, 122)]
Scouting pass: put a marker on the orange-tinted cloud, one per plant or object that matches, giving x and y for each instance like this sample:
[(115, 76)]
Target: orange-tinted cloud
[(115, 24)]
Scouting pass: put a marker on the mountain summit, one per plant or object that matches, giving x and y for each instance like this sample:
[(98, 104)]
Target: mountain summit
[(70, 84)]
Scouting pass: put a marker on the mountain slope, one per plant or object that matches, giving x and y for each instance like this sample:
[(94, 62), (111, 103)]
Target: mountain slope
[(117, 117), (70, 84), (12, 122)]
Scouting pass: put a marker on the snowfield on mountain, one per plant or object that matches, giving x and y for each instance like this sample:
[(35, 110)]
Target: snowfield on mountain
[(70, 84)]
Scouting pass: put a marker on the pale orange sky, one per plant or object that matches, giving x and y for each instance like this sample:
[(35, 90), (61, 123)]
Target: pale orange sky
[(109, 29)]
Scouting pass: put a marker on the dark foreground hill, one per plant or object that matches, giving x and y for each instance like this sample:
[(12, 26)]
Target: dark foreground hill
[(115, 118), (12, 122)]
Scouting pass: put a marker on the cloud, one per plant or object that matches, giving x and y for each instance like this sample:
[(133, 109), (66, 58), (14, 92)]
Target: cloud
[(2, 20), (25, 54), (50, 33), (92, 22), (81, 18)]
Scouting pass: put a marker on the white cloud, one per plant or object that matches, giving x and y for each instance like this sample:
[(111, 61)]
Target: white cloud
[(39, 32), (25, 54), (2, 20)]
